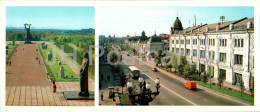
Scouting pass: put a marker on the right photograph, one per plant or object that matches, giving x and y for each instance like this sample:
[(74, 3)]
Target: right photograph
[(176, 55)]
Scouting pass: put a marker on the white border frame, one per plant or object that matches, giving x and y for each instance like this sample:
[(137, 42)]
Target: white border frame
[(98, 4)]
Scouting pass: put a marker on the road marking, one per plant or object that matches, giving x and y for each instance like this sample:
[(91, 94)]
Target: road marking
[(173, 91)]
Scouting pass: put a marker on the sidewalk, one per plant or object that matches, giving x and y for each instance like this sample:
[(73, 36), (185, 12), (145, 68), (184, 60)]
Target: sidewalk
[(106, 99)]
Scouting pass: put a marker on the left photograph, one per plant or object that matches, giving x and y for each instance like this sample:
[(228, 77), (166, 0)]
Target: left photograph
[(50, 56)]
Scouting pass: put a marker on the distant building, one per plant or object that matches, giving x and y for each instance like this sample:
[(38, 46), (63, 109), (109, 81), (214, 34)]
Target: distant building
[(222, 48)]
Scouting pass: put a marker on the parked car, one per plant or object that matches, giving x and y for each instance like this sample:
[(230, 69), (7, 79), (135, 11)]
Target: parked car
[(154, 69), (190, 85)]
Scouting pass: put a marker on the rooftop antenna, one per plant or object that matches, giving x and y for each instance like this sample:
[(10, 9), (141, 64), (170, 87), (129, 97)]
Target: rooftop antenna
[(189, 23), (195, 19), (222, 19)]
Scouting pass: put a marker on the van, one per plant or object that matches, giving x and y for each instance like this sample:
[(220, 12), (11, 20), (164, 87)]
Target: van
[(190, 85)]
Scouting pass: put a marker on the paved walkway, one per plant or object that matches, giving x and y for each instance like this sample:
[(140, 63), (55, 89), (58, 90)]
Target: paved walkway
[(72, 65), (27, 84)]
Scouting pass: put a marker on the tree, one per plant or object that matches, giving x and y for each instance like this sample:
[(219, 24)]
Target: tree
[(113, 57), (242, 87), (205, 77), (187, 70), (220, 79), (166, 61), (122, 80), (252, 85)]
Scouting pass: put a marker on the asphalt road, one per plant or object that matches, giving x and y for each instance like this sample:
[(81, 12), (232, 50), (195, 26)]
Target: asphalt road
[(172, 91)]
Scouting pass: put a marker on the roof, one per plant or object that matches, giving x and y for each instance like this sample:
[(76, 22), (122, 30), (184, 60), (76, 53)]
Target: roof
[(177, 24), (240, 24), (155, 38), (133, 68)]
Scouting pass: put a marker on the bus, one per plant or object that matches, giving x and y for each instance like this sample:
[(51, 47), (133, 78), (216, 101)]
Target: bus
[(134, 72)]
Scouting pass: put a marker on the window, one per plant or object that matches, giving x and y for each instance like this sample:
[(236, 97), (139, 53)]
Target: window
[(223, 42), (172, 49), (182, 51), (202, 54), (182, 41), (242, 42), (213, 42), (213, 55), (222, 57), (238, 78), (194, 52), (177, 41), (187, 52), (188, 41), (194, 42), (238, 43), (177, 50), (209, 54), (172, 41), (235, 42), (238, 59)]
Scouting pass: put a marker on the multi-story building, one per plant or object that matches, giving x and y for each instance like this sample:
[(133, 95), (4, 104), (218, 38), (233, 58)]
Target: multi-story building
[(222, 48)]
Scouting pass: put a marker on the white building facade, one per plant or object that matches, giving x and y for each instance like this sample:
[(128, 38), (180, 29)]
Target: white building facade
[(223, 48)]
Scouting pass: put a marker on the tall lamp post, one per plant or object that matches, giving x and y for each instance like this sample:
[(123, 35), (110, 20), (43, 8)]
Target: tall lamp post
[(145, 94)]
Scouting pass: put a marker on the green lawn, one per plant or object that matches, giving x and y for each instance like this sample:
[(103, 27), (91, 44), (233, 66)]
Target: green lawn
[(124, 99), (228, 92), (11, 49), (54, 66), (79, 65)]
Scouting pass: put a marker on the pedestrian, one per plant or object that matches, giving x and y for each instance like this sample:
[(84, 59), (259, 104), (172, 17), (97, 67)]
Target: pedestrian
[(23, 48), (15, 50), (10, 63), (102, 96), (39, 62), (113, 95)]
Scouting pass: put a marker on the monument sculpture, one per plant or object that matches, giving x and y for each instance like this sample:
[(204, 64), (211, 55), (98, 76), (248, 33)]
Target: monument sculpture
[(28, 36), (84, 93), (84, 76)]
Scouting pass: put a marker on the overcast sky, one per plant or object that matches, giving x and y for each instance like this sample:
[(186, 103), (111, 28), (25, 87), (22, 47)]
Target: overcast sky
[(123, 21), (51, 17)]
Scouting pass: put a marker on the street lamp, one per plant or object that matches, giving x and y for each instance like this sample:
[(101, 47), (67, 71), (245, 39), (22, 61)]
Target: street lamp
[(145, 94)]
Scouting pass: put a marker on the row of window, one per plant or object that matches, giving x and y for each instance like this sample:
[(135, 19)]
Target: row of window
[(202, 42), (222, 42), (212, 42), (238, 59), (239, 42)]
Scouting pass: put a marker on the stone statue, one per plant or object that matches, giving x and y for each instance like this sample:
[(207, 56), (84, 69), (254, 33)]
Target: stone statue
[(84, 76), (28, 37)]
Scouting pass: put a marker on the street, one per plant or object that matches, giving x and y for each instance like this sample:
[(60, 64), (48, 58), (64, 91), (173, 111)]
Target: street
[(173, 92)]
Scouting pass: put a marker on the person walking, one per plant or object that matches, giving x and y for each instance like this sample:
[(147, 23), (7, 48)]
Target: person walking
[(102, 96), (39, 62), (10, 63)]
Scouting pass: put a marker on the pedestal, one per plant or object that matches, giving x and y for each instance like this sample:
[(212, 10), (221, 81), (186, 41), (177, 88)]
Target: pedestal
[(74, 95)]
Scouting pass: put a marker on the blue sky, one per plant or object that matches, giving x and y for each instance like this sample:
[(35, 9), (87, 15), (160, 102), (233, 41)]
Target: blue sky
[(123, 21), (51, 17)]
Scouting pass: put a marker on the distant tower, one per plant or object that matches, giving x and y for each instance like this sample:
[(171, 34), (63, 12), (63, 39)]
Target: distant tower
[(222, 19)]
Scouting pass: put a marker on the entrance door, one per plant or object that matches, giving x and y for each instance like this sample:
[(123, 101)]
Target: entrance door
[(222, 72)]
